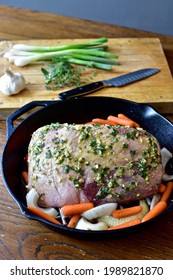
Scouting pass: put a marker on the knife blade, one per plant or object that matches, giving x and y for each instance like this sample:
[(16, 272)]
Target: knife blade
[(114, 82)]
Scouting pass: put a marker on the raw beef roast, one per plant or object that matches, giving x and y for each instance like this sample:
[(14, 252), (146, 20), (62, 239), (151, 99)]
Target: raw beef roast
[(72, 163)]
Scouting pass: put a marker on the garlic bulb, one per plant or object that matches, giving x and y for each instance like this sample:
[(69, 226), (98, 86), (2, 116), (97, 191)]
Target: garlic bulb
[(11, 83)]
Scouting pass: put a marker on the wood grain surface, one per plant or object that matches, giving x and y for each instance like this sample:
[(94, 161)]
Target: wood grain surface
[(24, 239), (134, 54), (19, 24)]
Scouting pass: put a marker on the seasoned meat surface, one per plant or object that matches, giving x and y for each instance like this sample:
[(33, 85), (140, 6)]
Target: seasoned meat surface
[(72, 163)]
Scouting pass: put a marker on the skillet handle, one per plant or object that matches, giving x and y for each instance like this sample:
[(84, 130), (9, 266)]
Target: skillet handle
[(10, 127)]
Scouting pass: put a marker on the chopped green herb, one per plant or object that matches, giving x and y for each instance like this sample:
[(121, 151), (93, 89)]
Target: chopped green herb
[(125, 146), (62, 74), (133, 152), (48, 154)]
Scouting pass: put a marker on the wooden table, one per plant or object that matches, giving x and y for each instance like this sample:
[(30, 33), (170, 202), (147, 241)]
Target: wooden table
[(21, 238)]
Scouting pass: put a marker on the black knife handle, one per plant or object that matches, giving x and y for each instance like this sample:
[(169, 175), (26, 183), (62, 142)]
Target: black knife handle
[(86, 89)]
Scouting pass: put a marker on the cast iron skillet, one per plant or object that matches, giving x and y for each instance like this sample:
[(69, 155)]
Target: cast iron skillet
[(73, 111)]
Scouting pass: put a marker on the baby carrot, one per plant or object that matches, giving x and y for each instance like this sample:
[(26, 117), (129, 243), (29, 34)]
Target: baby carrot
[(78, 208), (133, 222), (162, 188), (156, 210), (42, 214), (121, 213), (167, 192), (73, 221), (122, 116), (121, 121), (25, 176), (102, 121)]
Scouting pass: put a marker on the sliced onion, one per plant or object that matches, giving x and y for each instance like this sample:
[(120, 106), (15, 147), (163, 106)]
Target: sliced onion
[(166, 156), (85, 225), (111, 221), (155, 199), (32, 198), (98, 211)]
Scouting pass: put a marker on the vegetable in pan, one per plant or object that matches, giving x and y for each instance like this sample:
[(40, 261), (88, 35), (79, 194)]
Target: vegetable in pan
[(110, 212)]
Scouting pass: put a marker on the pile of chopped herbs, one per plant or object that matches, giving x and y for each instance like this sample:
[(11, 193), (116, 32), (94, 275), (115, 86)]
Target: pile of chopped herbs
[(62, 74)]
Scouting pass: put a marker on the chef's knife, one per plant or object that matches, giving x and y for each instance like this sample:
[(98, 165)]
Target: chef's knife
[(114, 82)]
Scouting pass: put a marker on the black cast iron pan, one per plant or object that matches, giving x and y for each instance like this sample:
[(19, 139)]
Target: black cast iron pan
[(73, 111)]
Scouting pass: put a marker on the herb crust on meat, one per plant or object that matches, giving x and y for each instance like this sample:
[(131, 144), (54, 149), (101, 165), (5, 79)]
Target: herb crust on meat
[(72, 163)]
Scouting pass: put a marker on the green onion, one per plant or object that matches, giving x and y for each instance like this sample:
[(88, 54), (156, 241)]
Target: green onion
[(92, 64), (91, 54), (94, 58), (30, 48)]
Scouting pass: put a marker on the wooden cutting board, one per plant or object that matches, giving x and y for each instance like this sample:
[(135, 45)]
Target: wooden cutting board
[(134, 54)]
